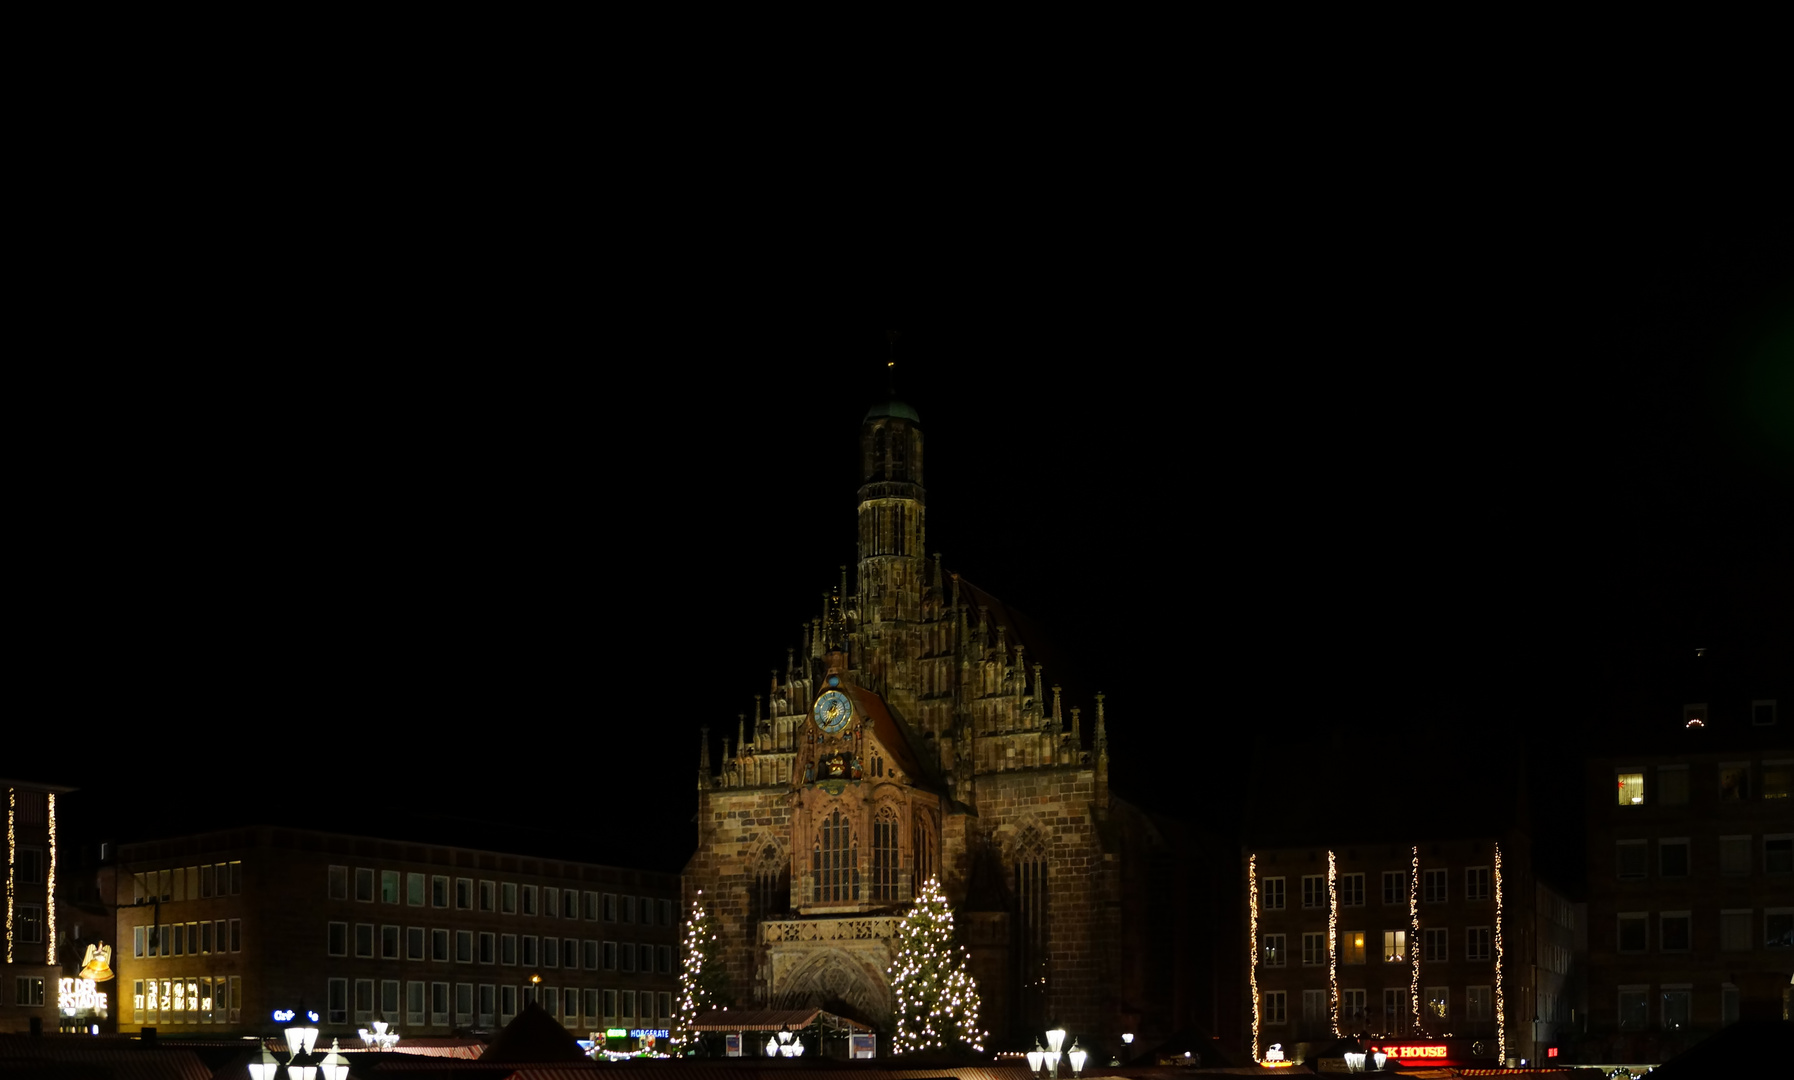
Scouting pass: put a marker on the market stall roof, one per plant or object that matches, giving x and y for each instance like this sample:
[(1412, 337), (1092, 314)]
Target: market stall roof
[(770, 1020)]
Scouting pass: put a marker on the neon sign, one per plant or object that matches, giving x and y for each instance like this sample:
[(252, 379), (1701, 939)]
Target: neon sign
[(1420, 1050), (648, 1033), (283, 1015), (79, 996)]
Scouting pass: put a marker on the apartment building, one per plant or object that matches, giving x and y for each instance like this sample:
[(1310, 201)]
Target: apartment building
[(218, 931)]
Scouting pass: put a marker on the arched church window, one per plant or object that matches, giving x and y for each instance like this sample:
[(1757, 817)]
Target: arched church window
[(922, 836), (770, 887), (884, 855), (835, 861), (1031, 927)]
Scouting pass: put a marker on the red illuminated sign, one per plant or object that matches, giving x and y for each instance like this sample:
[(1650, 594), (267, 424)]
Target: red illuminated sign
[(1422, 1050), (1551, 1051)]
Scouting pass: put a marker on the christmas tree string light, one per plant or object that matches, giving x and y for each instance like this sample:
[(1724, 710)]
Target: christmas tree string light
[(1500, 1004), (701, 975), (1333, 937), (936, 997)]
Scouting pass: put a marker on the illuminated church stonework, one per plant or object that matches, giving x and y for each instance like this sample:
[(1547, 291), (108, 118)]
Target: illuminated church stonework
[(909, 736)]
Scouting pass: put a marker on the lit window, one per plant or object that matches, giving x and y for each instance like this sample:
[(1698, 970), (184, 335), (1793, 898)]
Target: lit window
[(1395, 946), (1476, 883), (1672, 857), (1351, 890), (1351, 948), (1631, 789), (1436, 1002), (1270, 894), (1273, 950)]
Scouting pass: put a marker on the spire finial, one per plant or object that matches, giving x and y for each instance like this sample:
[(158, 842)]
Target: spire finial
[(891, 337), (1102, 734)]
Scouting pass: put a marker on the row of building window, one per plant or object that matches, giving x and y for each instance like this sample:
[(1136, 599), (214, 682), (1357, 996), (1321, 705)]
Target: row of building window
[(1356, 946), (1633, 857), (486, 947), (187, 939), (1395, 1015), (1674, 1006), (188, 882), (1671, 788), (202, 999), (486, 1004), (502, 897), (1435, 888), (1737, 926)]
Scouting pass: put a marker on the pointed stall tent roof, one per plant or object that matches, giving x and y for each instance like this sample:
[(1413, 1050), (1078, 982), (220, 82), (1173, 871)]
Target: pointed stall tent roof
[(533, 1037)]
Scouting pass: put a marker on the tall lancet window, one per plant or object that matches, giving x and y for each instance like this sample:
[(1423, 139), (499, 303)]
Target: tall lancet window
[(835, 861), (922, 837), (1031, 929), (884, 855)]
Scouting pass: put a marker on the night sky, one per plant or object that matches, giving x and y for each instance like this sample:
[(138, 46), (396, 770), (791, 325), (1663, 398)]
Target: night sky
[(493, 552)]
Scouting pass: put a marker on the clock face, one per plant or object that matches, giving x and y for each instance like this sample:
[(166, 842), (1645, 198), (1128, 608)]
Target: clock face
[(833, 711)]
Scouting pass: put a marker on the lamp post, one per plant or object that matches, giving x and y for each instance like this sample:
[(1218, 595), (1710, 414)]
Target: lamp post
[(1052, 1055), (379, 1038), (301, 1037)]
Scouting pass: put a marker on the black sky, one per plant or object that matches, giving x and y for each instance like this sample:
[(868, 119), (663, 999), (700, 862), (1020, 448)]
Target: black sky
[(496, 545)]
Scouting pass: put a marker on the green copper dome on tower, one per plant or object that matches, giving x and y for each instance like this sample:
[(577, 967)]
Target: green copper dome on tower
[(899, 409)]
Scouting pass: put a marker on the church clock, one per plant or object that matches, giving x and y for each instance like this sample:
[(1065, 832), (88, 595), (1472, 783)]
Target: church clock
[(833, 710)]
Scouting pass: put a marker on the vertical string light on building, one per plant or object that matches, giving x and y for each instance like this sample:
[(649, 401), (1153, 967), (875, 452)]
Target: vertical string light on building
[(1333, 939), (50, 889), (1414, 936), (1500, 1004), (12, 858), (1252, 970)]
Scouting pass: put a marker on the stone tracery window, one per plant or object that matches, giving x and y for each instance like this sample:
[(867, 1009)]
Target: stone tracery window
[(884, 855), (835, 861), (1031, 925)]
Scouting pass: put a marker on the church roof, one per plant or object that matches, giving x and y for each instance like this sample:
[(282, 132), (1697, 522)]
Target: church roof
[(891, 735), (899, 409)]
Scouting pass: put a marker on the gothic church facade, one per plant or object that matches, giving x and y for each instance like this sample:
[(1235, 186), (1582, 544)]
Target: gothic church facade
[(909, 737)]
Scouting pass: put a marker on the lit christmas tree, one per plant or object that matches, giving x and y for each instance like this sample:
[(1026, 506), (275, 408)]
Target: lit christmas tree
[(937, 998), (702, 982)]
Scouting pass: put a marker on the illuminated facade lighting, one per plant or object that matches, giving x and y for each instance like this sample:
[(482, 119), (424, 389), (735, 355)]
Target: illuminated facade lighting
[(1414, 935), (50, 890), (12, 860), (1252, 969), (1333, 938), (1500, 1004)]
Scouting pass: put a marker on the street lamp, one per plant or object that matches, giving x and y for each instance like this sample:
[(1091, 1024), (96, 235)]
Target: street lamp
[(1051, 1056), (379, 1038), (301, 1037)]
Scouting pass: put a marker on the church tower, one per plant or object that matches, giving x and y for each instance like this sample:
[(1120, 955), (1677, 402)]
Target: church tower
[(891, 567)]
